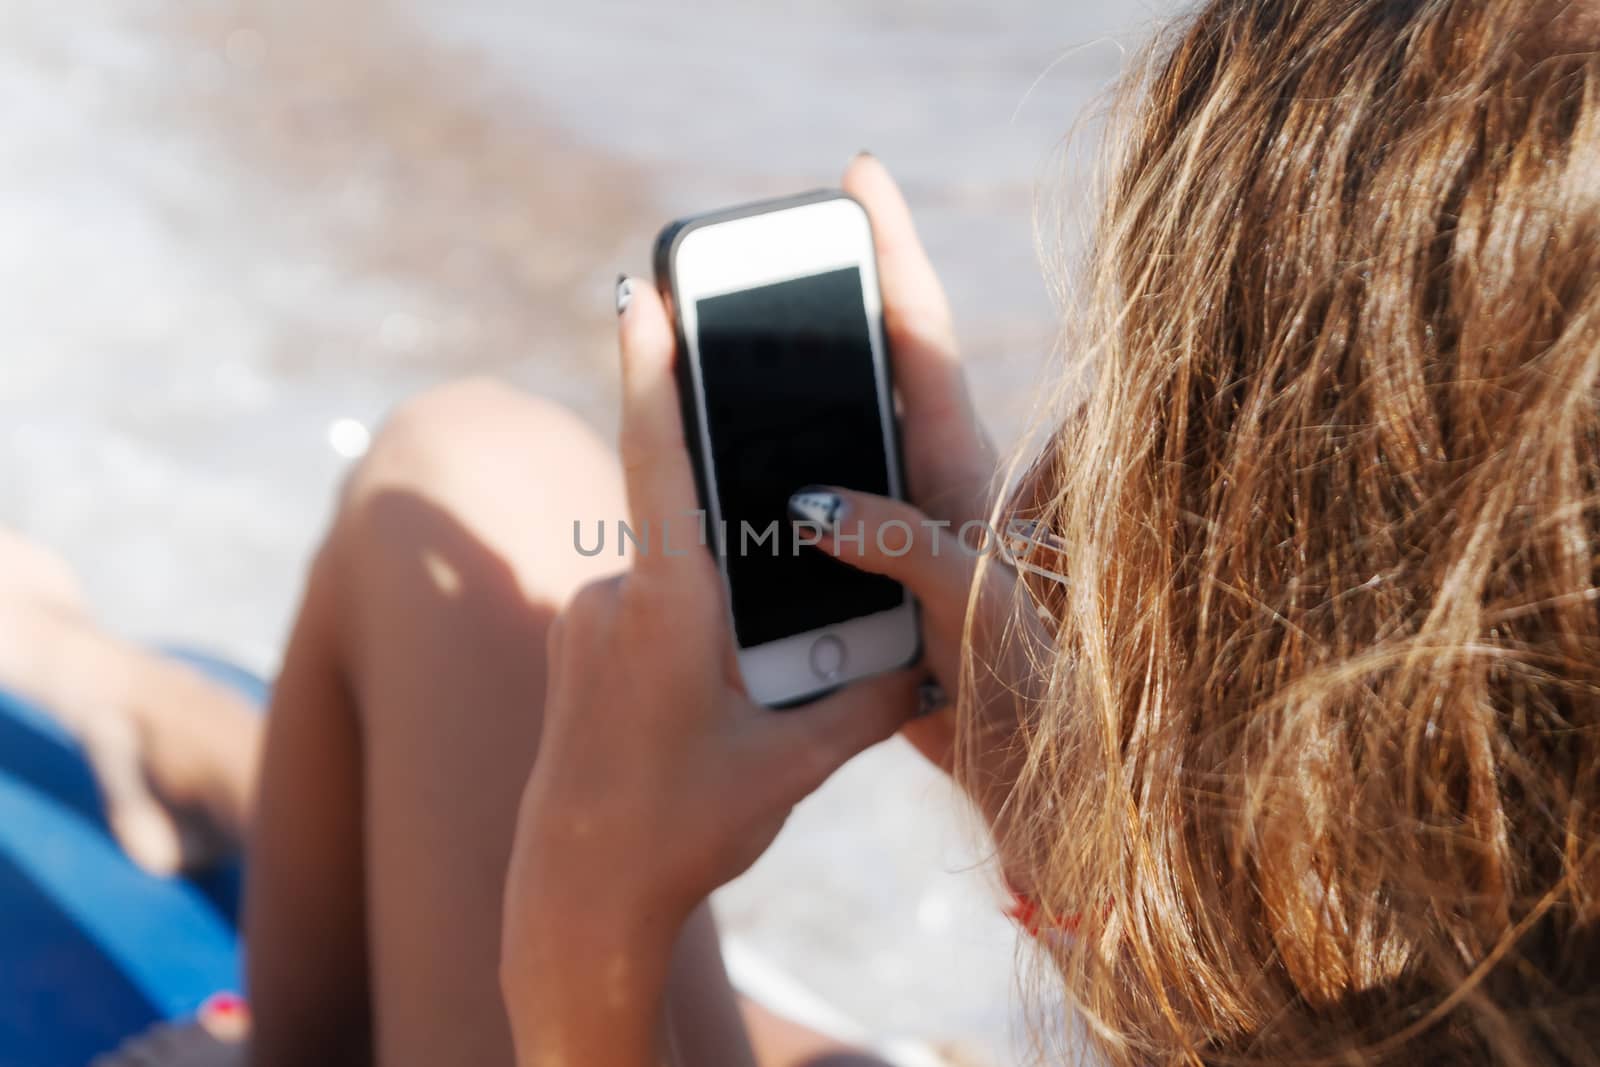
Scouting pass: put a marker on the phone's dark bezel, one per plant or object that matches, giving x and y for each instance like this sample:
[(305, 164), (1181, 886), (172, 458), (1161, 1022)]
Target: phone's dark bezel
[(666, 251)]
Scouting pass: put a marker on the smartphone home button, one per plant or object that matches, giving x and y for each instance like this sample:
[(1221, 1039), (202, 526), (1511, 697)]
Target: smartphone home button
[(827, 657)]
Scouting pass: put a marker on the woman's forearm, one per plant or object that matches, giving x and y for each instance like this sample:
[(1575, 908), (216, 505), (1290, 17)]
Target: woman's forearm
[(585, 984)]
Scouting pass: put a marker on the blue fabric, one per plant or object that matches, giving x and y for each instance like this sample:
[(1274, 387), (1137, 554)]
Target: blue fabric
[(35, 751), (62, 1001), (92, 949)]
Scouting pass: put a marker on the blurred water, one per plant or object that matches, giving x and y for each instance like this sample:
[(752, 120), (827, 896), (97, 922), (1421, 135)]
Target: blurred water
[(228, 226)]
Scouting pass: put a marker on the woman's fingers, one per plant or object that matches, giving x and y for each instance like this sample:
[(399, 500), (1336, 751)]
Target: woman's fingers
[(890, 537), (936, 560), (950, 459), (811, 743), (915, 301), (655, 461)]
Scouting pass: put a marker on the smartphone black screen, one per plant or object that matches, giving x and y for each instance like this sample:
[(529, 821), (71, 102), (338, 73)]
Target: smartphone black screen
[(791, 400)]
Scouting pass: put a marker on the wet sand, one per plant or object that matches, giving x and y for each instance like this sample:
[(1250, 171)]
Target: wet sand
[(392, 149)]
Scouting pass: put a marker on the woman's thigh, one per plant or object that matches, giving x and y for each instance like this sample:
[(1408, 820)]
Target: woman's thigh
[(453, 551), (460, 551)]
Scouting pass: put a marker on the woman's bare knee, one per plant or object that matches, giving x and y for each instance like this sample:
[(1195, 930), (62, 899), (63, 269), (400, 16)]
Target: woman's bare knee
[(507, 469), (455, 440)]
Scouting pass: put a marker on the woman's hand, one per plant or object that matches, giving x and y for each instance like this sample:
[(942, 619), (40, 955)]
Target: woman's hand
[(658, 779), (950, 464), (952, 471)]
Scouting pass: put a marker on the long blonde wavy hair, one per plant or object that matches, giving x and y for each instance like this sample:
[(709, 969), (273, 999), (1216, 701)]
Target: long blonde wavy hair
[(1319, 767)]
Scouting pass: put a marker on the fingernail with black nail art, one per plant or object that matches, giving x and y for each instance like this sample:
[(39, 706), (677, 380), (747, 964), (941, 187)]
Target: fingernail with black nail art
[(624, 293), (930, 698), (821, 507)]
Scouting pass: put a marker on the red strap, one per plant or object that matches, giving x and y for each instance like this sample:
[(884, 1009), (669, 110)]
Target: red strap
[(1026, 913)]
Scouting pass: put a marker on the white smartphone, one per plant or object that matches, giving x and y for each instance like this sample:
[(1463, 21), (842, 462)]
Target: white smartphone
[(785, 380)]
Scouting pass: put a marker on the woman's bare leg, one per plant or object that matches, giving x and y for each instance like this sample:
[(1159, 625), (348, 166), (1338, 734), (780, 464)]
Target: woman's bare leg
[(411, 691), (402, 732)]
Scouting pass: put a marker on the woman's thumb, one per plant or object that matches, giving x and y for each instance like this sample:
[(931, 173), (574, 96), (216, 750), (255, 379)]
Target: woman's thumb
[(889, 537)]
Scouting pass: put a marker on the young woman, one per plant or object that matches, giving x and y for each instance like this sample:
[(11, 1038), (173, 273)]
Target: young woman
[(1300, 762)]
